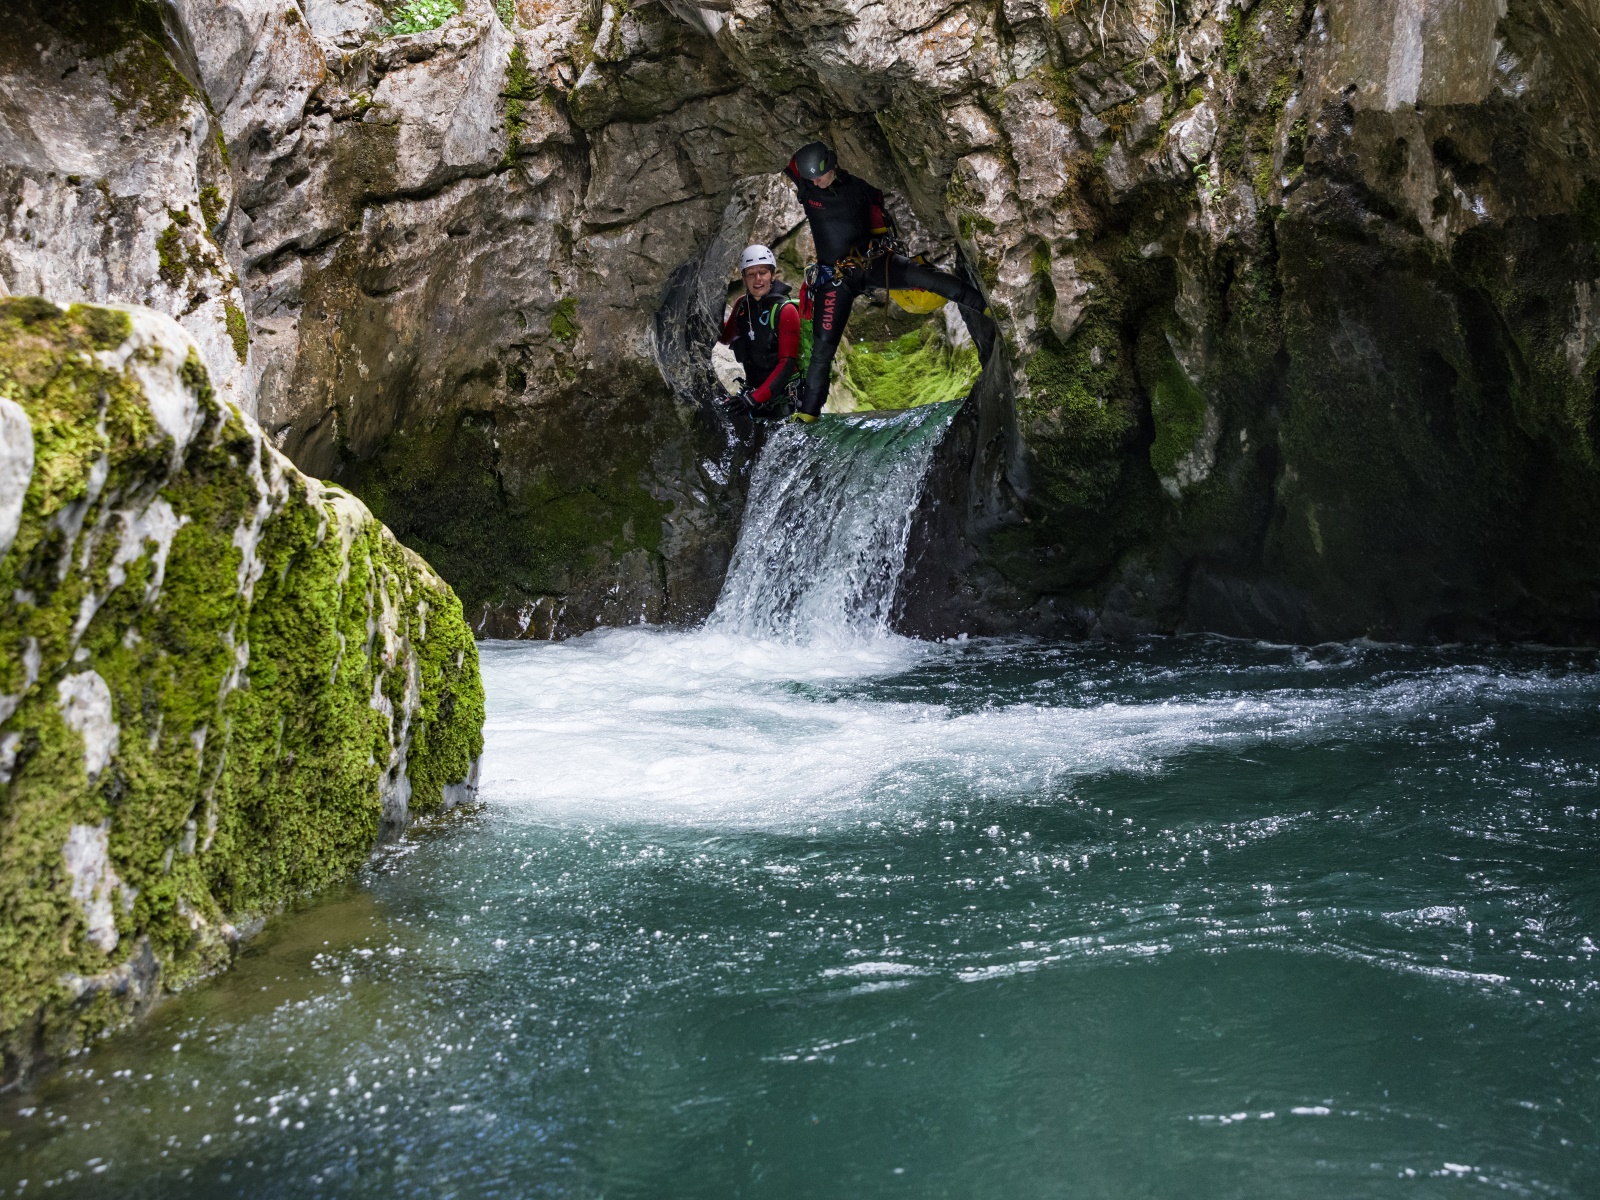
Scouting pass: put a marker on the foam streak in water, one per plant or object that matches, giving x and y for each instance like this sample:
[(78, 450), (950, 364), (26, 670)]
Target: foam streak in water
[(825, 529)]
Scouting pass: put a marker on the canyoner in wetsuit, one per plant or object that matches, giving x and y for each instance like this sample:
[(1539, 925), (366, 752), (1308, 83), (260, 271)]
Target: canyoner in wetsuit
[(856, 250), (763, 329)]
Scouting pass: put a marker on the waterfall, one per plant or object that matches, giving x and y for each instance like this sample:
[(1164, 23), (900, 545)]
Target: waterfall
[(826, 525)]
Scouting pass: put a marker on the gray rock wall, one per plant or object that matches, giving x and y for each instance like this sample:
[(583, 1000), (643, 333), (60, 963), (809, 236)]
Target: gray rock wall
[(113, 182), (1300, 302)]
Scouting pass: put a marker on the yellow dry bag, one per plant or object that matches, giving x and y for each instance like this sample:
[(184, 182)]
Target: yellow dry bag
[(915, 300)]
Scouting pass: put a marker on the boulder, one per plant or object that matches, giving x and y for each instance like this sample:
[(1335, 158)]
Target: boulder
[(222, 682)]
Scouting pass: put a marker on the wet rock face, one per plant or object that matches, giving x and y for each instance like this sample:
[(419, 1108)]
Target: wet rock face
[(113, 183), (1300, 301), (1298, 317), (221, 681), (457, 242)]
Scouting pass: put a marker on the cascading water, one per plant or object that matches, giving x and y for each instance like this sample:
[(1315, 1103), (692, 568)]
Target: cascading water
[(790, 906), (825, 528)]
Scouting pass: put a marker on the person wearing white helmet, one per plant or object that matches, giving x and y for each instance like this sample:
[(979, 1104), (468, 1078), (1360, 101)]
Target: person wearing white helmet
[(764, 331)]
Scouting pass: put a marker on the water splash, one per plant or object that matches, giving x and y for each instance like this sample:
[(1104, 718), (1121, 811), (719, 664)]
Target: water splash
[(825, 529)]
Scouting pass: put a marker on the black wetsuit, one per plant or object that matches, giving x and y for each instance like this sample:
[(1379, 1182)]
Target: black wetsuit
[(845, 219)]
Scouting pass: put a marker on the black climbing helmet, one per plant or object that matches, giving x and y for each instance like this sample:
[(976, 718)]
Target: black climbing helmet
[(815, 159)]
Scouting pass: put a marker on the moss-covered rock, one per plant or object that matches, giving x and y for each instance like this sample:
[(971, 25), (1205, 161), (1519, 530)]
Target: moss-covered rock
[(919, 367), (221, 682)]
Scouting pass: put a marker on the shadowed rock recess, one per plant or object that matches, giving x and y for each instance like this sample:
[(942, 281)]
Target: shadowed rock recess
[(1300, 301), (222, 682)]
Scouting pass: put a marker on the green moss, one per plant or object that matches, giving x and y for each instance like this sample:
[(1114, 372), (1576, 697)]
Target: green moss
[(1119, 119), (173, 266), (969, 223), (238, 329), (506, 509), (1074, 415), (1045, 307), (144, 82), (1236, 42), (1278, 97), (966, 203), (1177, 407), (178, 256), (419, 16), (1058, 87), (212, 208), (564, 320), (250, 759), (522, 89), (1261, 180), (506, 10), (919, 368), (106, 328)]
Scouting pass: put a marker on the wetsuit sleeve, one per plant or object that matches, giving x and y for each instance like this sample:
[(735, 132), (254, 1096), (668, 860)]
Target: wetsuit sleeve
[(730, 327), (877, 215), (789, 331), (788, 355), (776, 382)]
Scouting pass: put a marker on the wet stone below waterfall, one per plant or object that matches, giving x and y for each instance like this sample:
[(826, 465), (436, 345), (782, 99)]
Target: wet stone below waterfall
[(752, 918)]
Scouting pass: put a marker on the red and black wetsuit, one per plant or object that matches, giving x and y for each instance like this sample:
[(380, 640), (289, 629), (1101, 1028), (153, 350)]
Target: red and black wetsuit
[(846, 217), (765, 336)]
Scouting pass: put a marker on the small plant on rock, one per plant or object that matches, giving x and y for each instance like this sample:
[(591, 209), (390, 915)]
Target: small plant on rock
[(419, 16)]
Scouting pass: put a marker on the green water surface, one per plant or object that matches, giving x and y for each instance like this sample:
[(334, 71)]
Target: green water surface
[(1185, 919)]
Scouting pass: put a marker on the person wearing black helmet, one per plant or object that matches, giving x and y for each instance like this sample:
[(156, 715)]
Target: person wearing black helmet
[(853, 232)]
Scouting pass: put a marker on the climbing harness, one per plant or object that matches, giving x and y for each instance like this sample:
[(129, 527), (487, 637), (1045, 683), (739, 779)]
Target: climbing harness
[(911, 300)]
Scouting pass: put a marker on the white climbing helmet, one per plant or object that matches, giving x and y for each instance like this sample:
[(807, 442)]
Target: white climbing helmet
[(757, 256)]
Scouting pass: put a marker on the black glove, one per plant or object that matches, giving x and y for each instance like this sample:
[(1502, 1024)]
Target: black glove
[(739, 404)]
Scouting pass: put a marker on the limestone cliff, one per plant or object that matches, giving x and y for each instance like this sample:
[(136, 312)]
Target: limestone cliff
[(221, 681), (114, 182), (1298, 299), (1301, 326)]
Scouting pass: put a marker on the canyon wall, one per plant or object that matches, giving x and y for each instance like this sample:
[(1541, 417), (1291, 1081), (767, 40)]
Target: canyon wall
[(1298, 299)]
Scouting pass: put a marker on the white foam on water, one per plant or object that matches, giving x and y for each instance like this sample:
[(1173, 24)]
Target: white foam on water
[(761, 719), (713, 729)]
